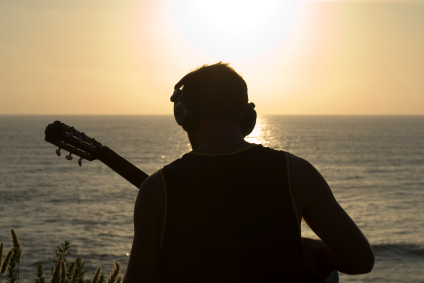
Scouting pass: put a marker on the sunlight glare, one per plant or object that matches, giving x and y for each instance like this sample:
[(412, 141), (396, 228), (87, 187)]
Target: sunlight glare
[(234, 29), (257, 135)]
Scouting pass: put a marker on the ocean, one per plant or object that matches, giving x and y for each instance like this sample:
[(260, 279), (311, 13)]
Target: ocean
[(374, 165)]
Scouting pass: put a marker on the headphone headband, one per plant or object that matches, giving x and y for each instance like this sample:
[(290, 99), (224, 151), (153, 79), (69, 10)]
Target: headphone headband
[(177, 93)]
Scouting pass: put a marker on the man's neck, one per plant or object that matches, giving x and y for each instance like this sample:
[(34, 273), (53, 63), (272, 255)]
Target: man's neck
[(217, 136)]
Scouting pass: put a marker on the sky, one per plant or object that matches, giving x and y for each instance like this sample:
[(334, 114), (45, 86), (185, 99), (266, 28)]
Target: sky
[(297, 57)]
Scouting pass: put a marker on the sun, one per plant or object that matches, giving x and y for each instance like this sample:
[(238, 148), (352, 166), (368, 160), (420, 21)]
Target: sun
[(234, 29)]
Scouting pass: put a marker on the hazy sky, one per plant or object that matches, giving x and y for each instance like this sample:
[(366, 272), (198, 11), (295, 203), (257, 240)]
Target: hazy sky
[(297, 57)]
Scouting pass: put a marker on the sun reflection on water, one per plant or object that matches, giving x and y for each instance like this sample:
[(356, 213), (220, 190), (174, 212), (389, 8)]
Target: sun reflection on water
[(257, 135)]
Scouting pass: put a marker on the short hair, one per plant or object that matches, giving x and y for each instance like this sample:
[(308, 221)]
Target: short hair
[(220, 92)]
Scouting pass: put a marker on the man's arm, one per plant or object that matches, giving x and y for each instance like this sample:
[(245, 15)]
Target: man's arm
[(344, 245), (148, 212)]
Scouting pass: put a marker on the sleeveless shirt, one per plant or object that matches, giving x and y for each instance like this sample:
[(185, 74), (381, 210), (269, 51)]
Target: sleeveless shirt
[(230, 218)]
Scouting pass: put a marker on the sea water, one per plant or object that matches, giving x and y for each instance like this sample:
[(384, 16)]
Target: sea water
[(374, 165)]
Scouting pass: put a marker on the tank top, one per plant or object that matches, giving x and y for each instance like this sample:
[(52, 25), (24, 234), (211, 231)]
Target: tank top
[(230, 218)]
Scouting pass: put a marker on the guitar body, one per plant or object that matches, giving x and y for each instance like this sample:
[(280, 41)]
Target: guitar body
[(315, 266)]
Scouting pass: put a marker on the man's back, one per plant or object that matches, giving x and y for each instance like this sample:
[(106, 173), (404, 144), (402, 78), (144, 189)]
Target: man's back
[(344, 246), (230, 218)]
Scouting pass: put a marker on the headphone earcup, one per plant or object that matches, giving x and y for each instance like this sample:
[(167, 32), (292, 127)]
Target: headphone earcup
[(181, 112), (249, 120), (186, 113), (192, 124)]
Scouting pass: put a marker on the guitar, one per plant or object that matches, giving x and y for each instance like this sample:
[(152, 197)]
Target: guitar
[(81, 145), (315, 266)]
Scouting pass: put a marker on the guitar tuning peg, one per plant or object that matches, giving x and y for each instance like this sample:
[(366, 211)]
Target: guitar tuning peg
[(68, 135), (92, 147), (69, 157), (80, 162), (80, 140), (58, 152)]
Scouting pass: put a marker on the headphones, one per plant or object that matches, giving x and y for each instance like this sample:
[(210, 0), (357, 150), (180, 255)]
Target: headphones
[(187, 111)]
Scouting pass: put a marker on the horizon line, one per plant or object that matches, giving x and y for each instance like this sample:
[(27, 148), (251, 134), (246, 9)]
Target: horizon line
[(172, 114)]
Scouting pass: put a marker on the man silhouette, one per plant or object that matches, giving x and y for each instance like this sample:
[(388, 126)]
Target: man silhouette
[(230, 211)]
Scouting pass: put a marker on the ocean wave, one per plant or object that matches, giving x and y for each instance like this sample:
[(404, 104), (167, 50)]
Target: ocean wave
[(410, 250)]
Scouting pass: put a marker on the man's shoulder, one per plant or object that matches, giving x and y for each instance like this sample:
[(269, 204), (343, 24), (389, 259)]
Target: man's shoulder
[(295, 161), (267, 151), (301, 165), (304, 175), (151, 184), (177, 162)]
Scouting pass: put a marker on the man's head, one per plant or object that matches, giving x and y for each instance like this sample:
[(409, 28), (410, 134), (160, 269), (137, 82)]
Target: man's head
[(220, 93), (213, 103)]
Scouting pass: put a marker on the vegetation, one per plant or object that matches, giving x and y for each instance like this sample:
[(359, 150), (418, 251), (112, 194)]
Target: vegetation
[(61, 271)]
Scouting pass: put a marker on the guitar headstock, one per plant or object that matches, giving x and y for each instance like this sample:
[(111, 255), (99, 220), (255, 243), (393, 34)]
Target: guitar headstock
[(73, 141)]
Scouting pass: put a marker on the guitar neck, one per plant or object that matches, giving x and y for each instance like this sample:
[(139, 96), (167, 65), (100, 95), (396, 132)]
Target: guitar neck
[(123, 167)]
